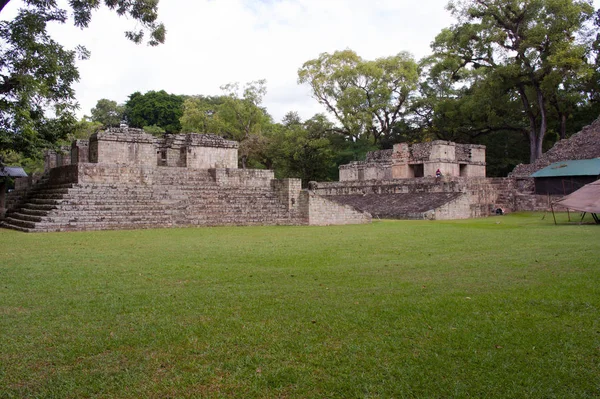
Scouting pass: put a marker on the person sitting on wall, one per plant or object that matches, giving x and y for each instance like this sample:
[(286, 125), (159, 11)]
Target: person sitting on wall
[(438, 173)]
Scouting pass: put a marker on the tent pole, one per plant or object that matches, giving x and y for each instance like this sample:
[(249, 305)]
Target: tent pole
[(553, 215)]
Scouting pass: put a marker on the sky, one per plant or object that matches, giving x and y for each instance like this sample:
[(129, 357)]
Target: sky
[(210, 43)]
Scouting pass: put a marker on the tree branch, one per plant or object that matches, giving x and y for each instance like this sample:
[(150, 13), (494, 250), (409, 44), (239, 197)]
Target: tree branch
[(3, 3)]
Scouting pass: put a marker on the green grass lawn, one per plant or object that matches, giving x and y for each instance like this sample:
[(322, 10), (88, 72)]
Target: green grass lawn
[(503, 307)]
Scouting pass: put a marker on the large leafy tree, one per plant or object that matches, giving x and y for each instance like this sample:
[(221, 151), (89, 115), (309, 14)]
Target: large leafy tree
[(366, 97), (37, 100), (157, 109), (302, 149), (108, 113), (533, 49), (237, 115)]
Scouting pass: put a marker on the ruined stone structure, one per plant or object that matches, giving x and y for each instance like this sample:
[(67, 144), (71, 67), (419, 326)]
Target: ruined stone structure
[(423, 198), (125, 178), (400, 183), (418, 160), (582, 145)]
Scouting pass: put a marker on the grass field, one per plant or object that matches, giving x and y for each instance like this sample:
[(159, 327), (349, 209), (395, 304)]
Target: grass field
[(504, 307)]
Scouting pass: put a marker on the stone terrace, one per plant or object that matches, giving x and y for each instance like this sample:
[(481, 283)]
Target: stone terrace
[(126, 189)]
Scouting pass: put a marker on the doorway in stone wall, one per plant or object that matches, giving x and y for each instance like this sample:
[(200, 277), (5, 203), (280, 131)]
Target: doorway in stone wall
[(182, 157), (463, 170), (418, 170)]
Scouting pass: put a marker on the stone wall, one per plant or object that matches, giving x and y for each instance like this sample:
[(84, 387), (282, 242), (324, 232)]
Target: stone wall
[(418, 160), (123, 147), (205, 158), (323, 211), (80, 151), (434, 198), (97, 196), (243, 177)]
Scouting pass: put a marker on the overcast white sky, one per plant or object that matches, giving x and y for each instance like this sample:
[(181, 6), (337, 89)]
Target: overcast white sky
[(213, 42)]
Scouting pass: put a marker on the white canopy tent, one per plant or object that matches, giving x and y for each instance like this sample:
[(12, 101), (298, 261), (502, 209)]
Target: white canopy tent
[(586, 199)]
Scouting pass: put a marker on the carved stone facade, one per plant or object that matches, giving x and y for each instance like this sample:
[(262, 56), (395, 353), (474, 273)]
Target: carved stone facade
[(406, 161)]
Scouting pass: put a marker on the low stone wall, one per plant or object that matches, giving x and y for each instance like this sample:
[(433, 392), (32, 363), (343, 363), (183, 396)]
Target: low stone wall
[(243, 177), (322, 211), (480, 196), (534, 202)]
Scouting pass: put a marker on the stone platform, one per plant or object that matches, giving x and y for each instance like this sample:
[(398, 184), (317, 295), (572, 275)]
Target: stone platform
[(91, 196)]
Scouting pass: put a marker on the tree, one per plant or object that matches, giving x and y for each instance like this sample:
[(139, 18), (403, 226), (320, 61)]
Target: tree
[(155, 108), (108, 113), (236, 115), (531, 46), (37, 73), (200, 114), (302, 149), (366, 97)]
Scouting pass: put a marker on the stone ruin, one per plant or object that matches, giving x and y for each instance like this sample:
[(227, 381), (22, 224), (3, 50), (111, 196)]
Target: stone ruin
[(406, 161), (125, 179), (582, 145), (401, 183)]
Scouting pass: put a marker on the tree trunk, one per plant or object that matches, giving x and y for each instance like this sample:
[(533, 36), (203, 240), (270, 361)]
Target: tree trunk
[(543, 124), (534, 151), (563, 126)]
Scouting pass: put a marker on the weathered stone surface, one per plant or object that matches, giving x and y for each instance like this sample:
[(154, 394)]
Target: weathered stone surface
[(423, 198), (582, 145), (100, 196), (418, 160)]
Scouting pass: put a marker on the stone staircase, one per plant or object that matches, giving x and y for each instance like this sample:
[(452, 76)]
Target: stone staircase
[(505, 199), (189, 201)]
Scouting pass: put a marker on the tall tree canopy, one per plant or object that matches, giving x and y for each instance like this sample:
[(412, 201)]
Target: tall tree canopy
[(108, 113), (532, 50), (366, 97), (155, 109), (237, 115), (37, 100)]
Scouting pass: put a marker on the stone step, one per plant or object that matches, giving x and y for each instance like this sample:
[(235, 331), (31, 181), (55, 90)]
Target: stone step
[(81, 225), (9, 220), (14, 227), (26, 217), (34, 212), (39, 207)]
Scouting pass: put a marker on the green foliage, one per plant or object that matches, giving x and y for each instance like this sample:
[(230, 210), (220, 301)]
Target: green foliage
[(533, 52), (83, 129), (502, 307), (200, 114), (154, 130), (30, 165), (155, 108), (366, 97), (108, 113), (37, 73), (303, 150), (236, 115)]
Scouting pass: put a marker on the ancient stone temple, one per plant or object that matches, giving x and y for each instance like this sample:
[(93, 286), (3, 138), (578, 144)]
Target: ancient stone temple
[(125, 178), (418, 160), (401, 183)]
